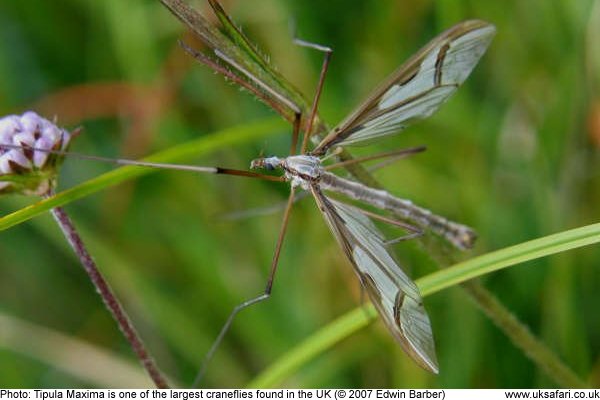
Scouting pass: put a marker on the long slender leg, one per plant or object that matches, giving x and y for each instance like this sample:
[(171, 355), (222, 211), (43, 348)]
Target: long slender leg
[(460, 236), (393, 155), (385, 219), (149, 164), (313, 111), (404, 238), (259, 211), (414, 231), (295, 133), (264, 296)]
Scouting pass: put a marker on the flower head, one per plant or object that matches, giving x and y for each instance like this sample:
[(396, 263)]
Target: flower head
[(27, 164)]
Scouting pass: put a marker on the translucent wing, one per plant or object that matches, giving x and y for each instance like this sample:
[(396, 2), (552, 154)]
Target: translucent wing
[(418, 88), (393, 293)]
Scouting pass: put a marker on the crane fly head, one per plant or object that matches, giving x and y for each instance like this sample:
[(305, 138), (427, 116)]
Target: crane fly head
[(268, 163)]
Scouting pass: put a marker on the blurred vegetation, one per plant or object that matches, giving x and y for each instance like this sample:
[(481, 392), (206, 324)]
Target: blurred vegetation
[(515, 154)]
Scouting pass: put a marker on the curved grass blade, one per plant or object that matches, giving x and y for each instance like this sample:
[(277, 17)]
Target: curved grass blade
[(357, 319), (194, 148), (509, 256)]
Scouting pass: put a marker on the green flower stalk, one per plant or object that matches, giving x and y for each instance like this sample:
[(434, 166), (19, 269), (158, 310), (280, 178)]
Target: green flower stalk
[(24, 170)]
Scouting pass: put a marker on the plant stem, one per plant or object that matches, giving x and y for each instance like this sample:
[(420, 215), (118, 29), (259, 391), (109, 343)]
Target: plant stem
[(108, 297), (522, 337)]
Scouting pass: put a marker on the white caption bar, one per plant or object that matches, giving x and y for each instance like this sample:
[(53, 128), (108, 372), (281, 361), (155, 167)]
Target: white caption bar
[(327, 394)]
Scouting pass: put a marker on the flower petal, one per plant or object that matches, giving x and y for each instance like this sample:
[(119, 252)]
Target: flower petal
[(18, 157), (24, 138), (5, 167), (40, 157), (31, 122)]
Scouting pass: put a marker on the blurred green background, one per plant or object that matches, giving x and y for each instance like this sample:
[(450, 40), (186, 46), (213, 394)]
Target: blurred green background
[(515, 154)]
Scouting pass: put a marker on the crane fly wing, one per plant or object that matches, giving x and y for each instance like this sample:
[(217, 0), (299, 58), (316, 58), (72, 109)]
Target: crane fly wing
[(394, 294), (416, 89)]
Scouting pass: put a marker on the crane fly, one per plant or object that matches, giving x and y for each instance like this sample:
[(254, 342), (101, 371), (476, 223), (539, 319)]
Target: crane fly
[(411, 93)]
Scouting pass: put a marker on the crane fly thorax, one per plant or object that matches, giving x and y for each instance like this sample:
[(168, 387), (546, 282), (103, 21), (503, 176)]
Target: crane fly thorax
[(302, 170), (299, 170)]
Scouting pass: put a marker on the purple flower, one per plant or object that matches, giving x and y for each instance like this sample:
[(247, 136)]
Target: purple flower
[(27, 164)]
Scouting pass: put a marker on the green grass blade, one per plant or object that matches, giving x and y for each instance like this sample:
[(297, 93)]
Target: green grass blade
[(207, 144), (357, 319), (314, 345), (527, 251)]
